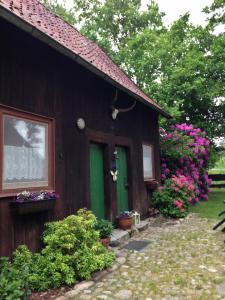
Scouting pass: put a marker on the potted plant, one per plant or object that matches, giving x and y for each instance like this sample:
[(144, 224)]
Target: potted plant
[(105, 229), (125, 220), (32, 202)]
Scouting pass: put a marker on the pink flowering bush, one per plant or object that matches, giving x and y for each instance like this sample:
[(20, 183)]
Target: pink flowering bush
[(185, 152), (173, 198)]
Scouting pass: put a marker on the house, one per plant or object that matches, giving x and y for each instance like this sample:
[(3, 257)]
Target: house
[(71, 121)]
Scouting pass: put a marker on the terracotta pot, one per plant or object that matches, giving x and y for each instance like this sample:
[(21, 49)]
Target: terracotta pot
[(105, 241), (125, 223)]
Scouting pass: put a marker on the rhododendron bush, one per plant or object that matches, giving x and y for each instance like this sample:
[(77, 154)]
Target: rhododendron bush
[(173, 198), (185, 157)]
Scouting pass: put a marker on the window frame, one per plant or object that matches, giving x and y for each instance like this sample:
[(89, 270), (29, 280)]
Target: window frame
[(153, 161), (20, 114)]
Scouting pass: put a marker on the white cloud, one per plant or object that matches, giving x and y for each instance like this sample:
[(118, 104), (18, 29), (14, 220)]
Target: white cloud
[(173, 9), (176, 8)]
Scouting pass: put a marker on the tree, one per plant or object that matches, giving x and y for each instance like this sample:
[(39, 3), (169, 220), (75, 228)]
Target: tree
[(181, 67), (216, 12)]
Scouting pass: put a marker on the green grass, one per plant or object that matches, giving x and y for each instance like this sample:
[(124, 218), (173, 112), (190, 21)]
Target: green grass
[(211, 208), (217, 171)]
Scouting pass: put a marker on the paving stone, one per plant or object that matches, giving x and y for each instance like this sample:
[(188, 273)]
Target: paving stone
[(124, 294), (121, 260), (99, 275), (104, 297), (78, 288), (221, 289)]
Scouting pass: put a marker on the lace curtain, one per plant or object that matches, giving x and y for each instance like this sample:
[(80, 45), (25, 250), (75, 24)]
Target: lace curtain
[(25, 160), (147, 161)]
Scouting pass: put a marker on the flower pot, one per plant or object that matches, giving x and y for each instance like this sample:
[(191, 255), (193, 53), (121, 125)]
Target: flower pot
[(27, 207), (125, 223), (105, 241)]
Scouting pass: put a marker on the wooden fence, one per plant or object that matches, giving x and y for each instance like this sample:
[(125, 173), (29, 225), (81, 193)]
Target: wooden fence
[(218, 180)]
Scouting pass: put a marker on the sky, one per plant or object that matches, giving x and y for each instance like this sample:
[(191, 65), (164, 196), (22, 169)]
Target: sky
[(175, 8)]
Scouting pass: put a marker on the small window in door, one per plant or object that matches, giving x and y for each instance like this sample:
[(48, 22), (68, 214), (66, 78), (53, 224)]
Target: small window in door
[(148, 162)]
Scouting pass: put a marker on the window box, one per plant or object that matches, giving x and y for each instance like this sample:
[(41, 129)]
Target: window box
[(151, 185), (32, 206)]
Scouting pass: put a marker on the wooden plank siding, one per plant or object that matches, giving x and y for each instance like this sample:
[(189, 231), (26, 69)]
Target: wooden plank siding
[(37, 79)]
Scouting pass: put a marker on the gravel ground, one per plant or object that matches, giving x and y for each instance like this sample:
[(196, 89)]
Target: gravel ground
[(184, 260)]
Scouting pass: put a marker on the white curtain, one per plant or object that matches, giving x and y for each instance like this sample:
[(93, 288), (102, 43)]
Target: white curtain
[(25, 158), (147, 161)]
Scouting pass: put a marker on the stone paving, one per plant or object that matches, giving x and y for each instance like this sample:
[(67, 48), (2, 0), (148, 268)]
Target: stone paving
[(185, 260)]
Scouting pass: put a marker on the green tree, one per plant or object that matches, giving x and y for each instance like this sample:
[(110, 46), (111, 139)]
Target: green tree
[(182, 67), (216, 12)]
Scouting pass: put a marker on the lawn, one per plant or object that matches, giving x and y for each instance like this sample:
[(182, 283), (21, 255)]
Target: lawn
[(211, 208)]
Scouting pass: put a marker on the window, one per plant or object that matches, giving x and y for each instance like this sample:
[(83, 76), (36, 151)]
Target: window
[(148, 162), (27, 151)]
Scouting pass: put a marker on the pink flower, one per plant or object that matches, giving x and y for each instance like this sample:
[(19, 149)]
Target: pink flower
[(178, 203), (189, 199)]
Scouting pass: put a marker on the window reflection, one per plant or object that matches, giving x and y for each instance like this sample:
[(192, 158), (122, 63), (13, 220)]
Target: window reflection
[(25, 153)]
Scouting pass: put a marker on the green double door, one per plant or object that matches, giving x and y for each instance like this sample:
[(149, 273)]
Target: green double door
[(97, 180), (122, 180)]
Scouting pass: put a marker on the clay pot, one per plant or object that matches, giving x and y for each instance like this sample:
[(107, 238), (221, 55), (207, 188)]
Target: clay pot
[(125, 223), (105, 241)]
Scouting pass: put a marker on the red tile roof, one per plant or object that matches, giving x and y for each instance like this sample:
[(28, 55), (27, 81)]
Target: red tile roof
[(36, 15)]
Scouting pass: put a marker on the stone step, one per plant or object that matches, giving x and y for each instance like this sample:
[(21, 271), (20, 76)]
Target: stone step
[(119, 236), (143, 226)]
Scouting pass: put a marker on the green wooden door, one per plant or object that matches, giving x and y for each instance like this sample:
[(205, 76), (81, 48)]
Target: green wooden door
[(97, 192), (122, 180)]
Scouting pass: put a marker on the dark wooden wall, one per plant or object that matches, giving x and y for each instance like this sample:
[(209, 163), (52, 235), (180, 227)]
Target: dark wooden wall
[(35, 78)]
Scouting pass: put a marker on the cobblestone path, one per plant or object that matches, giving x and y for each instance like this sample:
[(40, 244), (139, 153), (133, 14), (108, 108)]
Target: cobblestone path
[(183, 261)]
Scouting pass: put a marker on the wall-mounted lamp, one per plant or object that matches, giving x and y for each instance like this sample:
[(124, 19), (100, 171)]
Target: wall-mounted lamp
[(80, 123)]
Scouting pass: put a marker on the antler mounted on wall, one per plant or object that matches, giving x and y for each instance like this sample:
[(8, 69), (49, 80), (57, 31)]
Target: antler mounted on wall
[(115, 110)]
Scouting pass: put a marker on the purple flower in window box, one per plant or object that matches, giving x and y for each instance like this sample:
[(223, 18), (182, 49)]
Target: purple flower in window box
[(32, 202), (36, 196)]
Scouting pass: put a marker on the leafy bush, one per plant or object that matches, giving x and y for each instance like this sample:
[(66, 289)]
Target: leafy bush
[(173, 198), (104, 227), (12, 286), (71, 252)]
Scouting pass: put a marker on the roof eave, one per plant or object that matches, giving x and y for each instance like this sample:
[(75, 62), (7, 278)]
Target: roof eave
[(20, 23)]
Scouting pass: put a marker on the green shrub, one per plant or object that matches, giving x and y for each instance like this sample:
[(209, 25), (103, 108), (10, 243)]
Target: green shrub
[(11, 281), (71, 252), (173, 198), (104, 227)]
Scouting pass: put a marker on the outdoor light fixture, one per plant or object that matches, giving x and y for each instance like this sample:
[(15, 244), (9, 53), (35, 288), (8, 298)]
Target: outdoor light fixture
[(136, 218), (80, 123)]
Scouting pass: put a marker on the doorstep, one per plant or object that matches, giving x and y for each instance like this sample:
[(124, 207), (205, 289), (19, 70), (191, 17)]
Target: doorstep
[(119, 236)]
